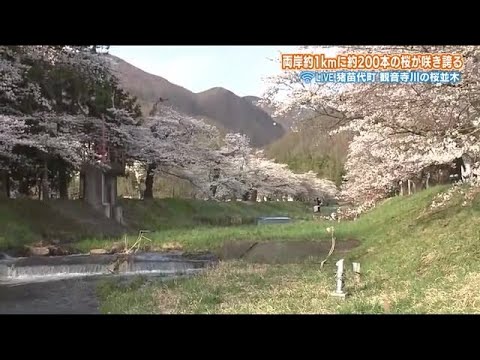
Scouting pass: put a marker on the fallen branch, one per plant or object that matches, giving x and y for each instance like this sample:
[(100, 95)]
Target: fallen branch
[(332, 248), (114, 267), (137, 244)]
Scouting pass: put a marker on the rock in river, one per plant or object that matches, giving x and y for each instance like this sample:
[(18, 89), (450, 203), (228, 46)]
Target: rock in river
[(98, 252), (39, 251)]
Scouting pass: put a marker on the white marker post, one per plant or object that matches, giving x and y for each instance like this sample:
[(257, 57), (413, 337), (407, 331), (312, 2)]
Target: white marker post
[(339, 291)]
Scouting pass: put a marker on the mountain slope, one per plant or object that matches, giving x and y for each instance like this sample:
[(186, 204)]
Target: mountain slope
[(239, 115), (216, 106), (310, 147)]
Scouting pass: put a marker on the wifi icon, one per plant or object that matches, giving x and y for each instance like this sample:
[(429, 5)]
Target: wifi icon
[(307, 76)]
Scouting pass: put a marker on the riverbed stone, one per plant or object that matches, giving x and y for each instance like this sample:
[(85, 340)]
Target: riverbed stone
[(117, 247), (171, 246), (38, 251), (57, 250), (99, 252)]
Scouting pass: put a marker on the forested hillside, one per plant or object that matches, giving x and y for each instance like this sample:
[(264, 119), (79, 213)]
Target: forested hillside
[(310, 147)]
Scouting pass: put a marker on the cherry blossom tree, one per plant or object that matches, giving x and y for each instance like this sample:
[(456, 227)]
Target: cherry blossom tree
[(400, 129), (241, 172), (63, 94), (272, 179), (12, 130), (172, 143), (60, 108)]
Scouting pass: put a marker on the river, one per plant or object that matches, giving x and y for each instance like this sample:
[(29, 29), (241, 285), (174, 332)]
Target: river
[(68, 284)]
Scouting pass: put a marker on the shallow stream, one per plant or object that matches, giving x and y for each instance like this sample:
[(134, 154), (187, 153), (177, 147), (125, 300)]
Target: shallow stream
[(68, 284)]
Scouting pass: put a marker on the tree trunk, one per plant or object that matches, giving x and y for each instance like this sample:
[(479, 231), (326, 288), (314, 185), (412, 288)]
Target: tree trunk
[(45, 186), (4, 185), (23, 187), (148, 194), (63, 182), (81, 186), (253, 195), (213, 190)]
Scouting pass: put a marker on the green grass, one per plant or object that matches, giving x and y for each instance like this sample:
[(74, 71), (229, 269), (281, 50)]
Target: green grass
[(24, 221), (194, 222), (210, 238), (181, 213), (414, 260)]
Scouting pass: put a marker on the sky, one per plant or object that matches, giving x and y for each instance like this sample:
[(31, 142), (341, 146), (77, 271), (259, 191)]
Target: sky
[(239, 69)]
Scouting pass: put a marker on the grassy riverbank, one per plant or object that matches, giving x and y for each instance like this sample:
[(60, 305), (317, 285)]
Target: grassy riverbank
[(414, 260), (23, 222)]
